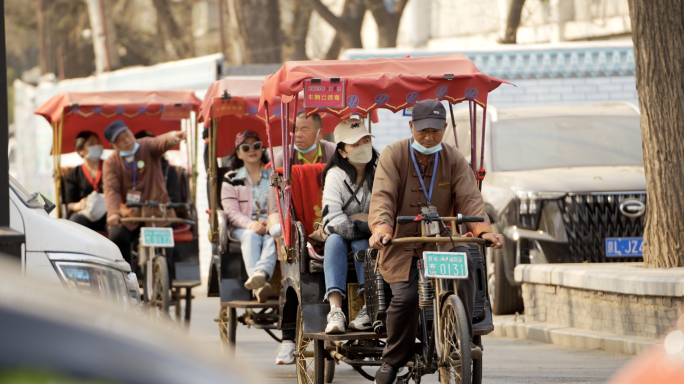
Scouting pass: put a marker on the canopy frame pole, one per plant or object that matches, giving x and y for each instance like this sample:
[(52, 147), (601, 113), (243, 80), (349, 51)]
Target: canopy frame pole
[(286, 230), (453, 123), (57, 149), (194, 155), (473, 136), (370, 123), (481, 172), (213, 234)]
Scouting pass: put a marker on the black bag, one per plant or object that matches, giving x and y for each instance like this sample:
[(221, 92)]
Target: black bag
[(378, 292)]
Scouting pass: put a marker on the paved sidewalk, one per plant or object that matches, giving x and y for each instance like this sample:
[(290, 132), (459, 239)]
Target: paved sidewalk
[(517, 327)]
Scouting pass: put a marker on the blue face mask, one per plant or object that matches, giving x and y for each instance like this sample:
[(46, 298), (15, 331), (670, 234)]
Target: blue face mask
[(314, 146), (129, 153), (426, 151)]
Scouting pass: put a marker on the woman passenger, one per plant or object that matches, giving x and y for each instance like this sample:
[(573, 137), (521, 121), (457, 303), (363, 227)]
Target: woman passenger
[(81, 181), (347, 185), (244, 197)]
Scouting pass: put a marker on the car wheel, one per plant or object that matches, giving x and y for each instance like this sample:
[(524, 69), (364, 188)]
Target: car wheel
[(505, 298)]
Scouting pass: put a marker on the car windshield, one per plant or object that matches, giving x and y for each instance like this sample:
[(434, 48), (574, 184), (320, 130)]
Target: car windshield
[(29, 199), (562, 142)]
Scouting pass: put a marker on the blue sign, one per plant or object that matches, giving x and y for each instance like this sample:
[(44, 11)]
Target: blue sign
[(624, 247), (381, 99), (408, 111), (471, 93), (352, 101), (412, 97)]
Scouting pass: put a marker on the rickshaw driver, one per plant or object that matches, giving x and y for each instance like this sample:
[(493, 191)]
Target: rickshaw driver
[(397, 194), (133, 174), (310, 149)]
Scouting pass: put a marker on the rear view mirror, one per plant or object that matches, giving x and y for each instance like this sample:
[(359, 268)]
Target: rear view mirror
[(49, 206)]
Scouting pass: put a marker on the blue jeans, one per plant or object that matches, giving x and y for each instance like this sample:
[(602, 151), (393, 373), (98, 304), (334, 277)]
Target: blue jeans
[(335, 263), (258, 251)]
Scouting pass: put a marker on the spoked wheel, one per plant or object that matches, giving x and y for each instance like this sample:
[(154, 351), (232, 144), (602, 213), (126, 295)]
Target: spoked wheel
[(232, 326), (308, 356), (477, 363), (455, 363), (160, 287)]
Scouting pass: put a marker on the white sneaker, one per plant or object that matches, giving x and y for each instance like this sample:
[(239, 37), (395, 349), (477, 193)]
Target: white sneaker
[(362, 321), (336, 321), (286, 353), (257, 280), (262, 294)]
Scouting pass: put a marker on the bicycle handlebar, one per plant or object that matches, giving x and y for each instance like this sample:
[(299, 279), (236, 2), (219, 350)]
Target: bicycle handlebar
[(155, 204), (407, 240), (460, 219)]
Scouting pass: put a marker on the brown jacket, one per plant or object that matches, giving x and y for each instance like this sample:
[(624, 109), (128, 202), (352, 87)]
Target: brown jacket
[(118, 180), (455, 191), (327, 149)]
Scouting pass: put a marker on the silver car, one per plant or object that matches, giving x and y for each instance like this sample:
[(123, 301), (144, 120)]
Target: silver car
[(563, 184)]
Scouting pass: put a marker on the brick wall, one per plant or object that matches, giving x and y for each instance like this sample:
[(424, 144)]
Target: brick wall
[(634, 315)]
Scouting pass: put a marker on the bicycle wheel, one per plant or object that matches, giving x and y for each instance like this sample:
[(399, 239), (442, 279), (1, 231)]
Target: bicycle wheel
[(160, 287), (477, 363), (309, 364), (455, 364), (329, 366), (232, 327)]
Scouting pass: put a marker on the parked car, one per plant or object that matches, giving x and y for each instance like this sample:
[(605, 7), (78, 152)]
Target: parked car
[(63, 252), (56, 336), (563, 184)]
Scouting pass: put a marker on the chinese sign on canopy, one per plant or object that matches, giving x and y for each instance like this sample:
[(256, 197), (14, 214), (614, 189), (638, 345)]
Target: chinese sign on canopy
[(324, 93)]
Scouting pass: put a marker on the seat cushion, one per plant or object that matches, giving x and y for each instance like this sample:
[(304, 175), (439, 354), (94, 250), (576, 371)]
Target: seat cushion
[(182, 234)]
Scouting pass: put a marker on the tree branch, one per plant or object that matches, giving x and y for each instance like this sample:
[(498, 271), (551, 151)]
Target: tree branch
[(328, 16)]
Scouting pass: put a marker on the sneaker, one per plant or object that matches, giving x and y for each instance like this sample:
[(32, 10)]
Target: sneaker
[(475, 351), (387, 374), (286, 353), (262, 294), (362, 321), (336, 321), (257, 280)]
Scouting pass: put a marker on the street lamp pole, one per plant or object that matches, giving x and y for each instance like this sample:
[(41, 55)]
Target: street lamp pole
[(10, 240)]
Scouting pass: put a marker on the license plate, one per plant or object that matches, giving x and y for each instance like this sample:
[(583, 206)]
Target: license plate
[(157, 237), (446, 265), (624, 246)]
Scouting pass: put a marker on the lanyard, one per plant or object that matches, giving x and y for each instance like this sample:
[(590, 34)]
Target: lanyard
[(428, 194), (96, 182), (134, 168)]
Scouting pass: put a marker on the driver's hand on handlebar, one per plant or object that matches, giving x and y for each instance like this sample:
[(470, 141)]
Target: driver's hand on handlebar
[(496, 239), (379, 240), (259, 227), (114, 220)]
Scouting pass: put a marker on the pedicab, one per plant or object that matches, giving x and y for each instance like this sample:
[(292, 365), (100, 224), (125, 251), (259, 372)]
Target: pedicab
[(342, 88), (230, 106), (167, 277)]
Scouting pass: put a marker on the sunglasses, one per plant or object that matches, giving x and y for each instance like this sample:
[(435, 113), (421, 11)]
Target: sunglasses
[(257, 145)]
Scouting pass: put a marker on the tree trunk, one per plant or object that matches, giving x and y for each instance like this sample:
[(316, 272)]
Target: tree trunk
[(347, 26), (657, 30), (259, 22), (171, 34), (513, 22), (388, 22), (302, 16)]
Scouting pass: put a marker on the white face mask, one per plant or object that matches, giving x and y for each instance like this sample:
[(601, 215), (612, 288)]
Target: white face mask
[(94, 152), (362, 154)]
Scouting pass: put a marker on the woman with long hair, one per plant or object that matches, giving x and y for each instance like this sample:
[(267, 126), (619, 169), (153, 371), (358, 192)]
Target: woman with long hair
[(347, 185), (244, 197)]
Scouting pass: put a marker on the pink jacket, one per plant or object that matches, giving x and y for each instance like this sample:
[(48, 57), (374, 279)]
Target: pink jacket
[(237, 201)]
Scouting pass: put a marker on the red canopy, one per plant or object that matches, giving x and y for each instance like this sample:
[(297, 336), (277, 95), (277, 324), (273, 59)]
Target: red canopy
[(390, 83), (94, 111), (230, 125)]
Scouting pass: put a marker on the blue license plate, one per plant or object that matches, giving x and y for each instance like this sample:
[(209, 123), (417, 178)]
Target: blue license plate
[(624, 246), (446, 265)]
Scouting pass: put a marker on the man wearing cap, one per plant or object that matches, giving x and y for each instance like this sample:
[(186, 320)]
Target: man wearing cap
[(133, 174), (412, 175)]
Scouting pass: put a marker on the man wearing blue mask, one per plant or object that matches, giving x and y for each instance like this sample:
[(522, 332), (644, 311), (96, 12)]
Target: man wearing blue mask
[(309, 149), (417, 175), (133, 174)]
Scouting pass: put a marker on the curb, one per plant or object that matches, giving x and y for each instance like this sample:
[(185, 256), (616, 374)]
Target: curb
[(506, 326)]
